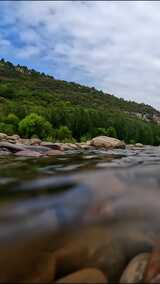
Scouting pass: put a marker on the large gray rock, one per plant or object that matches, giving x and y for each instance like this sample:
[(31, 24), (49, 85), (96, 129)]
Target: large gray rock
[(40, 149), (11, 147), (107, 142)]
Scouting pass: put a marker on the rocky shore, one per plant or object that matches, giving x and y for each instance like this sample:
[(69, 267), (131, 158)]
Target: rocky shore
[(35, 147)]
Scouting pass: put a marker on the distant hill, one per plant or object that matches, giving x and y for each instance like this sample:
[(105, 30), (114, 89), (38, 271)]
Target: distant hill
[(24, 91)]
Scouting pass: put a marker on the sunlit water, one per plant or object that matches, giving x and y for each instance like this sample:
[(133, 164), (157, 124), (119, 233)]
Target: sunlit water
[(94, 199)]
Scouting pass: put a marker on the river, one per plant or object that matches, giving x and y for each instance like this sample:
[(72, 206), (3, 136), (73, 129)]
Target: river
[(101, 206)]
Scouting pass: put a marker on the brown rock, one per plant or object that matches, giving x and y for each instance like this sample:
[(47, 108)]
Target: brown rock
[(14, 137), (28, 153), (107, 142), (153, 268), (54, 153), (44, 270), (3, 136), (139, 145), (134, 273), (90, 275), (85, 146), (54, 146), (35, 141), (95, 249)]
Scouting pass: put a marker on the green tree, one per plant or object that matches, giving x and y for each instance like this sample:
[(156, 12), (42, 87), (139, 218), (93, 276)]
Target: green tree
[(34, 124)]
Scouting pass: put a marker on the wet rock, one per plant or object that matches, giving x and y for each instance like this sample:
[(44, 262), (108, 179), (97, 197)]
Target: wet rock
[(89, 275), (14, 137), (28, 153), (11, 147), (139, 145), (134, 273), (66, 147), (4, 152), (153, 269), (35, 141), (25, 141), (55, 146), (3, 136), (39, 149), (85, 146), (156, 279), (72, 146), (54, 153), (107, 142), (95, 249), (44, 270)]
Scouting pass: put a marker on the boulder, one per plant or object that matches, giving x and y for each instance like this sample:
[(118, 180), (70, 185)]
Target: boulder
[(107, 142), (134, 273), (11, 147), (85, 146), (14, 137), (55, 146), (139, 145), (3, 136), (35, 141), (28, 153), (39, 149), (89, 275)]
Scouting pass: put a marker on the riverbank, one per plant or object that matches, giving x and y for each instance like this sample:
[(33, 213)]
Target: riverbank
[(35, 147)]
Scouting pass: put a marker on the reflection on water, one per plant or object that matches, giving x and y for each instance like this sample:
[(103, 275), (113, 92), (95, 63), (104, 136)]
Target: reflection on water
[(107, 204)]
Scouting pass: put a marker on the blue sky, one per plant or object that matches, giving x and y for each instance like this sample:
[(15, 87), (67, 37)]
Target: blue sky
[(114, 46)]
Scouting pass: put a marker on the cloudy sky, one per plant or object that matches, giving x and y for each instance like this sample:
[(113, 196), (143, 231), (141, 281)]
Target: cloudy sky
[(114, 46)]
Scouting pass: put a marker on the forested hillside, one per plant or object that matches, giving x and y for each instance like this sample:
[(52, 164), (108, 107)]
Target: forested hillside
[(32, 103)]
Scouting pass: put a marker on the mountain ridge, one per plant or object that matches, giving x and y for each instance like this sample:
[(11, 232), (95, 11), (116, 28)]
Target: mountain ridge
[(142, 107), (85, 111)]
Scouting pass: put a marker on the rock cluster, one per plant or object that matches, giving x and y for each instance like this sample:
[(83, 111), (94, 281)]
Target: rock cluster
[(34, 147), (74, 265)]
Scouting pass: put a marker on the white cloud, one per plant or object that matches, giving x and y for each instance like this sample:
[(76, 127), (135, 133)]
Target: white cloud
[(116, 44)]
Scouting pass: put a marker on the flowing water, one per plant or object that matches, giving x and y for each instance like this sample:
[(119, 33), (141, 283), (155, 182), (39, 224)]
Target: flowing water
[(106, 204)]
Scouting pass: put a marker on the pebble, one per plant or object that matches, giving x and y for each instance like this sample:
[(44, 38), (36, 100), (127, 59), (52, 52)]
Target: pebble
[(89, 275), (134, 273)]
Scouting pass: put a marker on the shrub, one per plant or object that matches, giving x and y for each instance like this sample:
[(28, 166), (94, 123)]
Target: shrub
[(7, 128), (85, 138), (64, 133), (111, 132), (34, 124), (99, 131), (13, 120)]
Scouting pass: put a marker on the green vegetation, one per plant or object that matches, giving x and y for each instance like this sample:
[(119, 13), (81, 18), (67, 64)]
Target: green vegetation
[(32, 104), (34, 124)]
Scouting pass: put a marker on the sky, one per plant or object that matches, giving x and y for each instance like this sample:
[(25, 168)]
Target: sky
[(113, 46)]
